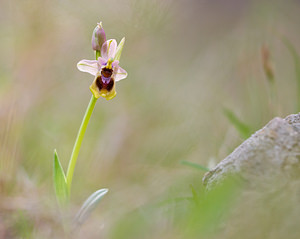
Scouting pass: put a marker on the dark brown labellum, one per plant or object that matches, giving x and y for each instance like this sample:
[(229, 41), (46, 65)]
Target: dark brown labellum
[(110, 85), (106, 72), (105, 81), (99, 83)]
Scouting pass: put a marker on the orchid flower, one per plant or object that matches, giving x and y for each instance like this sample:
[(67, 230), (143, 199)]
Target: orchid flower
[(107, 72), (106, 69)]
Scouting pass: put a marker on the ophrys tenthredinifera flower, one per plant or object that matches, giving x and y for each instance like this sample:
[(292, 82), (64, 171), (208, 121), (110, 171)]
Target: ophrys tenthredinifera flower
[(106, 69)]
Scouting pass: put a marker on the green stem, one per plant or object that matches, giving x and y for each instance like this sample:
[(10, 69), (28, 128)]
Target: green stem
[(97, 54), (78, 141)]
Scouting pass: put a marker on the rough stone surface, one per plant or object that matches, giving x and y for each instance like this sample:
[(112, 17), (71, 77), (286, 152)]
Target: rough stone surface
[(267, 167), (272, 153)]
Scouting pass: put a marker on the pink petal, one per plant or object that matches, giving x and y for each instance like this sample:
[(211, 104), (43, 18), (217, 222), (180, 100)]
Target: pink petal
[(120, 74), (108, 49), (115, 64), (89, 66), (102, 61)]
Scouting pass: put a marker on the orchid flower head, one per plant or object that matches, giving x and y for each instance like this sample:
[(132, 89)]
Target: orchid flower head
[(106, 69)]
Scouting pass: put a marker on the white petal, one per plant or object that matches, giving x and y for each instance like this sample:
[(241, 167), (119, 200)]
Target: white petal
[(121, 74), (90, 66), (108, 49)]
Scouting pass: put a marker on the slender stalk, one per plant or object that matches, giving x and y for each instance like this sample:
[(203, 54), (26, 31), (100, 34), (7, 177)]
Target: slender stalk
[(97, 54), (78, 141)]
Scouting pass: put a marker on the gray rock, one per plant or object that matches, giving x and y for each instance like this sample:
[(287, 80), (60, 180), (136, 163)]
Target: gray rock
[(266, 170), (272, 153)]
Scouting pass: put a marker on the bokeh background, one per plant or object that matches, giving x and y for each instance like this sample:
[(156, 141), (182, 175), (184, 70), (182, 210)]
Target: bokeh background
[(187, 62)]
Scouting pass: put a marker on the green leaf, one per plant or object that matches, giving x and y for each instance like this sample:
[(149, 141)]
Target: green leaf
[(243, 129), (60, 183), (296, 59), (89, 205), (119, 50), (194, 165)]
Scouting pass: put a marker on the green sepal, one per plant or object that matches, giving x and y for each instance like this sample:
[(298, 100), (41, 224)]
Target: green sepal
[(60, 182), (119, 50)]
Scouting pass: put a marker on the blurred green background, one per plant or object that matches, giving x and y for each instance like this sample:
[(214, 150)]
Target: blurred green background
[(186, 60)]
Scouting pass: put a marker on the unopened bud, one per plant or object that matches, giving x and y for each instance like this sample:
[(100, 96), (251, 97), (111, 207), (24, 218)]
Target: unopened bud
[(98, 37)]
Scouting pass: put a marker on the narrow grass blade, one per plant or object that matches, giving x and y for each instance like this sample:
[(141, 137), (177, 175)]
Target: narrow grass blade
[(89, 205), (194, 165), (60, 184), (243, 129), (296, 59)]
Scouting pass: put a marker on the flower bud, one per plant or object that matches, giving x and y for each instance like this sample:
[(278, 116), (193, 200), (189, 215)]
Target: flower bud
[(98, 37)]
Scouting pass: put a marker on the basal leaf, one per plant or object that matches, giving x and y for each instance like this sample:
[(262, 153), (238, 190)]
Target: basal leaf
[(60, 183), (89, 205)]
